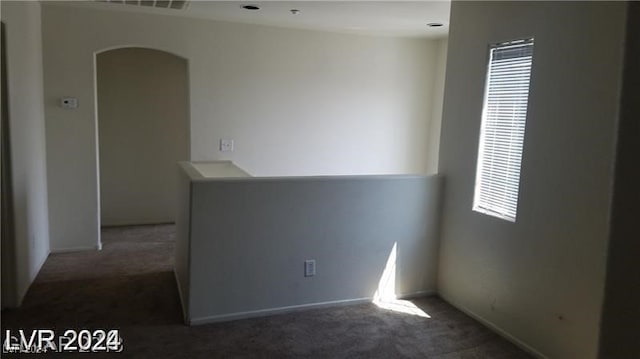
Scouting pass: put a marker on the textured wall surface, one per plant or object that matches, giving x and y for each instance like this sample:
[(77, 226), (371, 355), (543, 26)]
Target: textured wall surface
[(250, 238), (539, 280)]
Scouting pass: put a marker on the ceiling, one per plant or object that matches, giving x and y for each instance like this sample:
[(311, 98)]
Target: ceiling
[(384, 18)]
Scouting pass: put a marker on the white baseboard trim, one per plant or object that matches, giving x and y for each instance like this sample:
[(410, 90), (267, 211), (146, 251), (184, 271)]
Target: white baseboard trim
[(272, 311), (75, 249), (182, 303), (293, 308), (42, 261), (422, 293), (33, 278), (138, 223), (494, 328)]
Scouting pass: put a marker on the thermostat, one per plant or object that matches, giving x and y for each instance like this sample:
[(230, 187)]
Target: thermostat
[(69, 103)]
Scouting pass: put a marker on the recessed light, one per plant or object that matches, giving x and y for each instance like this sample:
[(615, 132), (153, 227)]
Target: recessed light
[(294, 11), (251, 7), (434, 24)]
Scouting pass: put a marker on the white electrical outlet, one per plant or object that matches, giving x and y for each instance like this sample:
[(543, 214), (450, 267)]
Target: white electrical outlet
[(226, 145), (310, 268)]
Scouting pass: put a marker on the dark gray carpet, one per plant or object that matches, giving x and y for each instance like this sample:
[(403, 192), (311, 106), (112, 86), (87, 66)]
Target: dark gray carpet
[(129, 285)]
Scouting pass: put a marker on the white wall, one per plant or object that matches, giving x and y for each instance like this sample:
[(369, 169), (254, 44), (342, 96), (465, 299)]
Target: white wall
[(540, 279), (143, 127), (27, 137), (296, 102)]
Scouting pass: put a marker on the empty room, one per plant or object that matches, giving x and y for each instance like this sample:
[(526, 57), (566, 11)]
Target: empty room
[(320, 179)]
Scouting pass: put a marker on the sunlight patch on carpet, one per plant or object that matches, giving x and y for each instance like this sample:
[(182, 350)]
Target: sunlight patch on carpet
[(385, 295)]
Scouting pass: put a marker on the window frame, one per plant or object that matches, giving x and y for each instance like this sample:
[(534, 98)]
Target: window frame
[(505, 205)]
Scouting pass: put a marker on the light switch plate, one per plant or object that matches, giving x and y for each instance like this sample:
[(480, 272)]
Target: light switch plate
[(226, 145), (309, 267)]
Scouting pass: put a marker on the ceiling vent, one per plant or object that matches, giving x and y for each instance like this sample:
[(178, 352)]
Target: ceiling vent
[(165, 4)]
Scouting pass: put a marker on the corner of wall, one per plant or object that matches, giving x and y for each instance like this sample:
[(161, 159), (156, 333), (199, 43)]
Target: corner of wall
[(27, 142), (437, 105)]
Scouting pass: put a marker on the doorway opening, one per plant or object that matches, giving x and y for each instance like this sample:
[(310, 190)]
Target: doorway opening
[(142, 98)]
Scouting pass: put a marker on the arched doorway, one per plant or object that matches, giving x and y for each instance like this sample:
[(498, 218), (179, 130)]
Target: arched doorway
[(143, 130)]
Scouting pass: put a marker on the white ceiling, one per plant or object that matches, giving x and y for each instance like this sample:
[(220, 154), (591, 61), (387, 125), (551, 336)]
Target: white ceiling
[(386, 18)]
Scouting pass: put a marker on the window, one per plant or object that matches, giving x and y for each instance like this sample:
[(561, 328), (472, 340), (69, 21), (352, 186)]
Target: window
[(504, 115)]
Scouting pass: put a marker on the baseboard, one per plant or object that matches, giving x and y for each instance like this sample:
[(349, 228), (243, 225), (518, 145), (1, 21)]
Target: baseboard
[(138, 223), (182, 303), (293, 308), (75, 249), (422, 293), (272, 311), (33, 278), (494, 328)]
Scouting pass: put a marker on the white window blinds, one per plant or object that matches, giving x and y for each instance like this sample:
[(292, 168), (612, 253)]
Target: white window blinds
[(502, 133)]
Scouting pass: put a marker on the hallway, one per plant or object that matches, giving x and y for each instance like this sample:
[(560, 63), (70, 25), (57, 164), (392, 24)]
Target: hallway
[(129, 282)]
